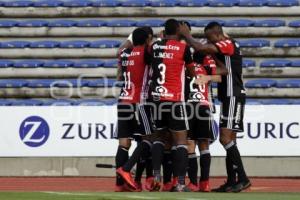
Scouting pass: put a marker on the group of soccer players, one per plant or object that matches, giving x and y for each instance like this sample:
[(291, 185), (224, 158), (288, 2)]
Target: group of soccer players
[(166, 105)]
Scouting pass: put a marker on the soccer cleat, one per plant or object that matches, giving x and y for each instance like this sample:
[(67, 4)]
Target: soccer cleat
[(139, 186), (123, 188), (226, 187), (174, 183), (181, 188), (156, 184), (193, 187), (240, 186), (204, 186), (149, 183), (127, 177), (167, 187)]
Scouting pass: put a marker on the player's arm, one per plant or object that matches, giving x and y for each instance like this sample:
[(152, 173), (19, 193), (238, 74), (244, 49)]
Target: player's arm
[(127, 44), (221, 69), (189, 63), (198, 46)]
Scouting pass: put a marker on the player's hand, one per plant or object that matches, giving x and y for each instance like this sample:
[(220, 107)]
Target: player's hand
[(202, 79), (184, 29)]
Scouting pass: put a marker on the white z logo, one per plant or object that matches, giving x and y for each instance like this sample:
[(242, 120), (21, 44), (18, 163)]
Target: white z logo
[(32, 131)]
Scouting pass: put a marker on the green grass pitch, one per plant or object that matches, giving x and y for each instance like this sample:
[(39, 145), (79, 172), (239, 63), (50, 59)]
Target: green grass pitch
[(145, 196)]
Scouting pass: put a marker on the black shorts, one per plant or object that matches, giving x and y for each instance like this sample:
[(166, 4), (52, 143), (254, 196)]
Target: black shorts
[(171, 116), (133, 120), (232, 113), (201, 122)]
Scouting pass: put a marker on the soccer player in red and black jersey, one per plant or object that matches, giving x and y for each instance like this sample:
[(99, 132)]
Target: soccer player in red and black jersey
[(132, 119), (232, 95), (170, 57), (202, 130)]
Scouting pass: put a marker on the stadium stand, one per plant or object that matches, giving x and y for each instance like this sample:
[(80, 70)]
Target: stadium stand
[(45, 42)]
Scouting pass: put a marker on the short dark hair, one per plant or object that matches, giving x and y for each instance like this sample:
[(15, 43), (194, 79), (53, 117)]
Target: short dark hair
[(212, 25), (171, 26), (139, 36), (187, 23), (148, 29)]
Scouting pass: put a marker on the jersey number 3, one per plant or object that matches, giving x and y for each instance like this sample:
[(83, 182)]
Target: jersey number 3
[(162, 69)]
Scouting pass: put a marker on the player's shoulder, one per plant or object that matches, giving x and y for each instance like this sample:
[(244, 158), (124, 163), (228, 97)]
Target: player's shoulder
[(224, 43)]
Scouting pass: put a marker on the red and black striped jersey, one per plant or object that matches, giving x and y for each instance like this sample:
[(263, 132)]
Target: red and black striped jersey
[(230, 54), (169, 59), (134, 68), (201, 93)]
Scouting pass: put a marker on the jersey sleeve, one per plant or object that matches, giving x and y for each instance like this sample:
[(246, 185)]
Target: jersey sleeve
[(188, 59), (210, 65), (130, 38), (225, 47)]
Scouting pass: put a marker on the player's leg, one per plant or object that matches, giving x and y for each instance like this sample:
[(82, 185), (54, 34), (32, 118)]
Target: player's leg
[(167, 165), (192, 165), (178, 125), (205, 161)]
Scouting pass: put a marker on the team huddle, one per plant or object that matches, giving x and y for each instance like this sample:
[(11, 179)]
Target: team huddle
[(166, 105)]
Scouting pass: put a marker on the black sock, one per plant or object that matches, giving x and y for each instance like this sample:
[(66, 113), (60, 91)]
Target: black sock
[(121, 159), (167, 167), (157, 157), (140, 166), (235, 157), (174, 161), (136, 155), (182, 163), (205, 160), (231, 174), (193, 168), (149, 167)]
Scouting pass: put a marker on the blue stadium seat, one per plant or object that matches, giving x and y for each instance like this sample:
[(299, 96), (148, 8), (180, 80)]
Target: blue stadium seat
[(8, 23), (62, 83), (203, 23), (91, 23), (6, 63), (295, 24), (295, 63), (193, 3), (288, 43), (28, 64), (27, 102), (74, 44), (47, 3), (45, 44), (282, 3), (223, 3), (275, 101), (163, 3), (253, 101), (33, 23), (15, 44), (13, 83), (151, 22), (260, 83), (239, 23), (58, 64), (249, 63), (295, 101), (121, 23), (275, 63), (58, 102), (102, 83), (77, 3), (110, 102), (18, 3), (269, 23), (105, 44), (254, 43), (291, 83), (134, 3), (253, 3), (106, 3), (62, 23), (111, 63), (5, 102), (90, 102), (89, 64)]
